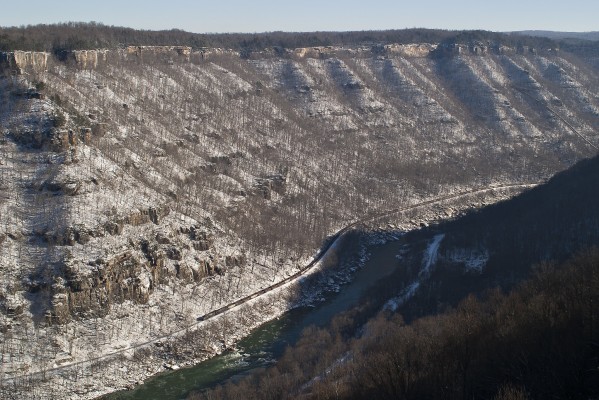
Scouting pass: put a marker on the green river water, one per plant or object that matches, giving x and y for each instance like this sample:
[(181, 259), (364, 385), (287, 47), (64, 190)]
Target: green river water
[(268, 342)]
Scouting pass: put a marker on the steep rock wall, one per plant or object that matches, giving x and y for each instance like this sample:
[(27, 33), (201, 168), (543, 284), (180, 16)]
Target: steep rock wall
[(174, 53), (89, 58), (19, 62)]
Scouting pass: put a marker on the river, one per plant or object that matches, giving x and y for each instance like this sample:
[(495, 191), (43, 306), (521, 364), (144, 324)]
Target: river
[(268, 342)]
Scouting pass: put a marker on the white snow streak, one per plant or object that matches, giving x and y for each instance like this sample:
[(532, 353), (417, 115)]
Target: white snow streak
[(430, 255), (409, 292)]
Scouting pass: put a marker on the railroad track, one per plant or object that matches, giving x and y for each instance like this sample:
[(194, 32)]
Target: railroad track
[(237, 303)]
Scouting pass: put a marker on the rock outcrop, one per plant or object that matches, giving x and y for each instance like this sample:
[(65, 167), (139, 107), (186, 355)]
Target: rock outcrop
[(89, 58), (81, 234), (410, 50), (19, 62), (57, 139), (216, 177), (170, 53), (479, 49), (274, 183), (83, 291)]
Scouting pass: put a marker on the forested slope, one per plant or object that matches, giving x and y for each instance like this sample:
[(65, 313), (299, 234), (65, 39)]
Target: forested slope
[(536, 342), (147, 183), (497, 304)]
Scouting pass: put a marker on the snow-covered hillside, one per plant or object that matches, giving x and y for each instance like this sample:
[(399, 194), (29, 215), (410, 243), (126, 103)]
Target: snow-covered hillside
[(142, 189)]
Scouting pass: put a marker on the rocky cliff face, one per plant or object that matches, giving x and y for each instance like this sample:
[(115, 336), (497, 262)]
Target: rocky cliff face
[(88, 59), (156, 184), (18, 62)]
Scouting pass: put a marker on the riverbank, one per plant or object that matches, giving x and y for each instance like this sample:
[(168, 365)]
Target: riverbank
[(338, 289), (330, 279), (223, 333), (133, 362)]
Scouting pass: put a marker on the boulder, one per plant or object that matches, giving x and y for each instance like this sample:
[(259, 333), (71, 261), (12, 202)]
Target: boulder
[(113, 227), (235, 260), (173, 253), (184, 272), (264, 186)]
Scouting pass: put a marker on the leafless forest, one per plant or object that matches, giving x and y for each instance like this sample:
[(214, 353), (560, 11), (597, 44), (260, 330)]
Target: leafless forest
[(142, 186)]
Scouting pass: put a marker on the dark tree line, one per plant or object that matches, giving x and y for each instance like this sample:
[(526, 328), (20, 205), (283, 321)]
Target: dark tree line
[(538, 342), (92, 35), (550, 222)]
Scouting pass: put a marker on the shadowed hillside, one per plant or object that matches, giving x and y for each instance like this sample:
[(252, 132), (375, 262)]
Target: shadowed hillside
[(465, 337), (148, 178)]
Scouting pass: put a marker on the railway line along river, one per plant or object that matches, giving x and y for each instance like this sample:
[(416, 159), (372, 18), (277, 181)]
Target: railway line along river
[(268, 342)]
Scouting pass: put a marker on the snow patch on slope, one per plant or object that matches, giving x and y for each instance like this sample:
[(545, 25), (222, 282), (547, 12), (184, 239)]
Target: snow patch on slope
[(474, 260), (430, 255), (409, 292)]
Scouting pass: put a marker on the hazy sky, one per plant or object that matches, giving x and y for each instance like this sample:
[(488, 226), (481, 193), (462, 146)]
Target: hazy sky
[(310, 15)]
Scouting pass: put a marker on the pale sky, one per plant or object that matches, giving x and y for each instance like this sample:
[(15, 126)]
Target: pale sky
[(310, 15)]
